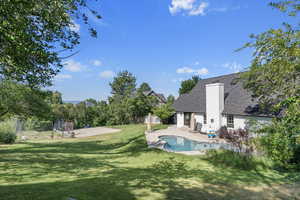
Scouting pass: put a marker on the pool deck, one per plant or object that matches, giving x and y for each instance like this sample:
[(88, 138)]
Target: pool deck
[(154, 141)]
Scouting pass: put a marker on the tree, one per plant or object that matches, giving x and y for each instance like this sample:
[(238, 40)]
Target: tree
[(291, 7), (140, 106), (144, 87), (170, 99), (33, 34), (101, 115), (164, 112), (23, 101), (274, 73), (55, 97), (123, 84), (273, 78), (282, 143), (188, 85)]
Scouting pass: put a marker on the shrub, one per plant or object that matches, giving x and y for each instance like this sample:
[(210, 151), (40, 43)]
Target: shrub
[(7, 132), (280, 141), (223, 131), (7, 137), (241, 139), (164, 112)]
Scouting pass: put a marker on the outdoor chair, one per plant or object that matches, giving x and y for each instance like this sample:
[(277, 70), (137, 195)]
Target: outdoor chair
[(212, 134)]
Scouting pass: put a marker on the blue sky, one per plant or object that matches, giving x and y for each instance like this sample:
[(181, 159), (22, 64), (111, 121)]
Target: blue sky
[(163, 42)]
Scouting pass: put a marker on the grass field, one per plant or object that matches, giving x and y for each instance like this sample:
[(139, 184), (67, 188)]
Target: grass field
[(120, 166)]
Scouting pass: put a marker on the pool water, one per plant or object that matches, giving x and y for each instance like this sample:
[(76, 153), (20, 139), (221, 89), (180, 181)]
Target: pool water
[(177, 143)]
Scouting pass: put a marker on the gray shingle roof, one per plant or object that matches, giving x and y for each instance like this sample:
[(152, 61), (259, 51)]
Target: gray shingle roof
[(238, 101), (161, 97)]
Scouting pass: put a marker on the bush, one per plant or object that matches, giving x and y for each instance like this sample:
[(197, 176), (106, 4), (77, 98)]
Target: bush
[(7, 137), (164, 112), (280, 141), (223, 131), (7, 132), (241, 139)]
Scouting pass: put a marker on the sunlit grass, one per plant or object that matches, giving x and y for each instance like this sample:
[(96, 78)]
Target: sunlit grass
[(121, 166)]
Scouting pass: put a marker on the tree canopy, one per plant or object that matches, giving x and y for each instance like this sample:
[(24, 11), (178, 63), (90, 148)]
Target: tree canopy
[(188, 85), (23, 101), (33, 34), (274, 79), (144, 87), (123, 85), (274, 73)]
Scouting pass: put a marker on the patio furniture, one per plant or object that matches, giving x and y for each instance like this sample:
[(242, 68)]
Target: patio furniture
[(198, 127), (212, 134)]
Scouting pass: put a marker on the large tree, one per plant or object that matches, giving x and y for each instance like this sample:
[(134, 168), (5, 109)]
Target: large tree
[(274, 79), (144, 87), (23, 101), (188, 85), (33, 34), (274, 73), (123, 85)]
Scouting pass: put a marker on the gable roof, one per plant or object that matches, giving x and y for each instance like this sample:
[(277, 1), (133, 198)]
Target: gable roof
[(237, 100), (160, 96)]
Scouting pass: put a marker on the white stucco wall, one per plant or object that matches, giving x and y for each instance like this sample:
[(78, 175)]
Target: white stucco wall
[(240, 121), (199, 118), (180, 119)]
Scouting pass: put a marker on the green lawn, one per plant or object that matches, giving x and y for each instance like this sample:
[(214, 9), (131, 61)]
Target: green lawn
[(120, 166)]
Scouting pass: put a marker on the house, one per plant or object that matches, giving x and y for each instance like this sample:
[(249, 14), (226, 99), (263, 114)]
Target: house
[(161, 100), (216, 102), (160, 97)]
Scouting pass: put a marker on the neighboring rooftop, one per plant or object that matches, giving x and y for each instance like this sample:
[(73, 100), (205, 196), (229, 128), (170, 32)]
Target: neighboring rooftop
[(160, 96), (237, 100)]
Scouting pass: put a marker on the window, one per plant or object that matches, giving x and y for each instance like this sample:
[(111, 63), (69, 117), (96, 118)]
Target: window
[(230, 121), (204, 119)]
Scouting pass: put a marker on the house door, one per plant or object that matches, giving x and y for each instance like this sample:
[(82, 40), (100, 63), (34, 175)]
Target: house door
[(187, 119)]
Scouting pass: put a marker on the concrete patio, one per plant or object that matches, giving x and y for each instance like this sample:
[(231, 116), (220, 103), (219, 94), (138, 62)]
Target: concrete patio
[(154, 141)]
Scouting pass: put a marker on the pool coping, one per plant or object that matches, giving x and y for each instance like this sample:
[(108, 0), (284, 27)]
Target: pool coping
[(154, 141)]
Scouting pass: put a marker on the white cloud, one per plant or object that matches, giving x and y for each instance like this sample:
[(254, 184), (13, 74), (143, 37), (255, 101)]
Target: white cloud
[(189, 7), (63, 76), (185, 70), (107, 74), (74, 66), (202, 71), (233, 66), (200, 10), (75, 27), (188, 70), (224, 9), (96, 63)]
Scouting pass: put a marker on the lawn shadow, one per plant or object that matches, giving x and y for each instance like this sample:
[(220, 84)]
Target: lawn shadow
[(168, 179)]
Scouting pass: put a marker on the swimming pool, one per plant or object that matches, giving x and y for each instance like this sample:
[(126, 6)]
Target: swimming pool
[(177, 143)]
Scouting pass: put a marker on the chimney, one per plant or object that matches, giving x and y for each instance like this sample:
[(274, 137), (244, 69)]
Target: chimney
[(214, 105)]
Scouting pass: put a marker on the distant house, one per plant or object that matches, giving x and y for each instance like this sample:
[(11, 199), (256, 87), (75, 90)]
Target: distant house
[(161, 100), (160, 97), (216, 102)]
